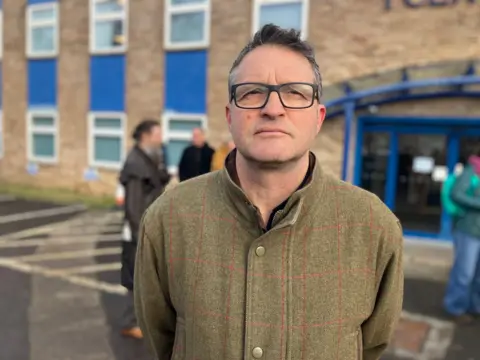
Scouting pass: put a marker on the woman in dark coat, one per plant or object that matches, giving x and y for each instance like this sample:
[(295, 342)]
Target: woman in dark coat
[(144, 177)]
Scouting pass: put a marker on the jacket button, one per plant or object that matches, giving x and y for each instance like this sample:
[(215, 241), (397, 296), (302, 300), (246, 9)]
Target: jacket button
[(257, 352), (260, 251)]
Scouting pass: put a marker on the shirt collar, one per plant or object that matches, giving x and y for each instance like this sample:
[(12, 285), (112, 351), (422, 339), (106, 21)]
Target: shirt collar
[(311, 187)]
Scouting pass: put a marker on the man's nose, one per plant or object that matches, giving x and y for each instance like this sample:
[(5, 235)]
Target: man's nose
[(273, 108)]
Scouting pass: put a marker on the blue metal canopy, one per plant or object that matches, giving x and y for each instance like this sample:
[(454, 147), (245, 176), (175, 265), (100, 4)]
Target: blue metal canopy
[(455, 79)]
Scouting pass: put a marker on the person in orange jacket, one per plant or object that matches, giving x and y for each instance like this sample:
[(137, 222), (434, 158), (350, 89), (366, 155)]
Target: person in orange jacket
[(221, 153)]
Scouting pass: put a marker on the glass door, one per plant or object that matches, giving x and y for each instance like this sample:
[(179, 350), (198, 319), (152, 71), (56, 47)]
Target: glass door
[(421, 170), (375, 154), (406, 167), (406, 161), (468, 145)]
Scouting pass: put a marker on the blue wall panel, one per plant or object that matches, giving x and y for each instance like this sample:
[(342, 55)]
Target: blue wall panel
[(42, 82), (186, 81), (107, 83), (30, 2)]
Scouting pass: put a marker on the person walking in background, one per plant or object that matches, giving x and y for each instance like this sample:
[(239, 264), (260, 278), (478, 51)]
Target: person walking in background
[(462, 298), (218, 160), (144, 177), (270, 257), (197, 158)]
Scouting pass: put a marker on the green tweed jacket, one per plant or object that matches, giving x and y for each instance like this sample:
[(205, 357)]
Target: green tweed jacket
[(326, 283)]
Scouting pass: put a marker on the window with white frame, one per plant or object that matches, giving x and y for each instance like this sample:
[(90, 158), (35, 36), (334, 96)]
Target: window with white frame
[(284, 13), (42, 133), (42, 30), (177, 133), (107, 140), (108, 25), (187, 24)]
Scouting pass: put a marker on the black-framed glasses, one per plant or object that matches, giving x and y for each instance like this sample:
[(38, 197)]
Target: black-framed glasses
[(293, 95)]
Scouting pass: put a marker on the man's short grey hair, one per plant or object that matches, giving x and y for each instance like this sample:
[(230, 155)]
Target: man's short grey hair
[(271, 34)]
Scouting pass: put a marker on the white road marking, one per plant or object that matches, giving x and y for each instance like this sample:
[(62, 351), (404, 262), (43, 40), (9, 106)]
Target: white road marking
[(88, 229), (7, 198), (77, 280), (69, 254), (40, 230), (72, 225), (41, 213), (64, 240), (88, 269)]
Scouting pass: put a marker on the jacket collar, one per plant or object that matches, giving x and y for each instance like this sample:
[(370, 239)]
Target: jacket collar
[(246, 212)]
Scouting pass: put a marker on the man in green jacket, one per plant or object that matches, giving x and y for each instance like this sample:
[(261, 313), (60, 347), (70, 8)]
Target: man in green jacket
[(462, 298), (270, 257)]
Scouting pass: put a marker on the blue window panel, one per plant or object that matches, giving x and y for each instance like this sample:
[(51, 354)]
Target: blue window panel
[(186, 81), (43, 145), (31, 2), (107, 83), (283, 15), (107, 148), (175, 150), (42, 82)]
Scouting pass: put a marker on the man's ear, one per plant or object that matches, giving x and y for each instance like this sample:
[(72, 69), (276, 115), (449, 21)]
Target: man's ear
[(322, 112), (228, 115)]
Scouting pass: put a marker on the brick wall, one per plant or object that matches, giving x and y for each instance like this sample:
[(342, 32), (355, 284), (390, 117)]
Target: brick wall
[(144, 62), (356, 38), (436, 107), (230, 31), (14, 89), (352, 39), (73, 97)]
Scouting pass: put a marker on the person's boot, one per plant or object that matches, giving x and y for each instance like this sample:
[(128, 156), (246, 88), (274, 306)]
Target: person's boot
[(133, 332)]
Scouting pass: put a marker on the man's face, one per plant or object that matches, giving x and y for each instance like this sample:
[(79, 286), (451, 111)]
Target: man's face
[(274, 134), (153, 139), (198, 138)]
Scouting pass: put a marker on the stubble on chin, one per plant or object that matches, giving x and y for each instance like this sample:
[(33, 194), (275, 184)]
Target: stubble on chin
[(268, 164)]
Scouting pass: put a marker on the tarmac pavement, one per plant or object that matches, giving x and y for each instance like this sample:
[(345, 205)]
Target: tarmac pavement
[(61, 299)]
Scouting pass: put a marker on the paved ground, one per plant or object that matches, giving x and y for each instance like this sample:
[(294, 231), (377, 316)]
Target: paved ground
[(60, 296)]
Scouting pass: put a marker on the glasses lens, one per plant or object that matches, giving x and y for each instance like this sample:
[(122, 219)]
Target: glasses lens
[(251, 95), (297, 95), (293, 95)]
